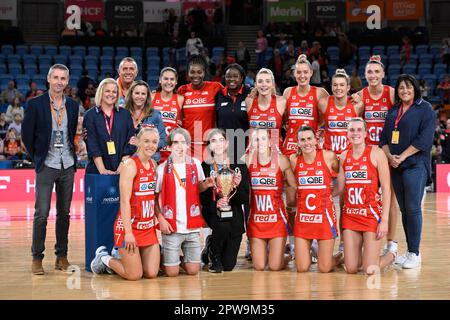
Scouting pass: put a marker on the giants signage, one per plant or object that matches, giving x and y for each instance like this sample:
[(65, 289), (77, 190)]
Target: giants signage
[(20, 185)]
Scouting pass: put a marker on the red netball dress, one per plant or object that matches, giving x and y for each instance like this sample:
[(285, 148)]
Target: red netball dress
[(301, 111), (316, 216), (336, 122), (142, 203), (199, 113), (267, 212), (375, 112), (170, 112), (268, 119), (362, 203)]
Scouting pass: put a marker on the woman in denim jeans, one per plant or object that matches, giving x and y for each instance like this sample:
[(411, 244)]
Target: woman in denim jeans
[(407, 139)]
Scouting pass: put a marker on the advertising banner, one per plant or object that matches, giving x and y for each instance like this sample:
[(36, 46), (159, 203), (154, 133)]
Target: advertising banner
[(154, 11), (328, 11), (8, 10), (357, 10), (443, 178), (124, 12), (286, 11), (91, 10), (404, 9), (20, 185)]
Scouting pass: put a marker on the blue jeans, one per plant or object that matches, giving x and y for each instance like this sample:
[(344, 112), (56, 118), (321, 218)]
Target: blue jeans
[(409, 185)]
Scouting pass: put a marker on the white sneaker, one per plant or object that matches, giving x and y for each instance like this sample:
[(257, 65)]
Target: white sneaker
[(413, 261), (391, 247), (400, 260), (97, 265)]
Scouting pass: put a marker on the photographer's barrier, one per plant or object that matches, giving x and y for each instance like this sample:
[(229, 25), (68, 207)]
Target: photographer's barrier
[(443, 178), (101, 207)]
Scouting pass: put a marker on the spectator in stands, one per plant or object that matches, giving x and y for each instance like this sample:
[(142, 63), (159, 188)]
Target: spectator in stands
[(128, 71), (288, 79), (33, 91), (250, 79), (261, 47), (242, 55), (2, 144), (89, 96), (194, 45), (13, 109), (282, 43), (218, 20), (80, 145), (289, 55), (271, 31), (17, 123), (3, 126), (355, 82), (276, 64), (445, 143), (443, 89), (13, 146), (445, 51), (8, 95), (315, 79), (304, 48), (424, 88), (82, 84), (109, 129), (405, 52)]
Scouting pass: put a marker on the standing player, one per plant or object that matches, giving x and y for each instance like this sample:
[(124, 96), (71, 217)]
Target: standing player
[(266, 110), (168, 102), (199, 110), (267, 226), (134, 228), (378, 99), (366, 213), (337, 110), (316, 216), (301, 104)]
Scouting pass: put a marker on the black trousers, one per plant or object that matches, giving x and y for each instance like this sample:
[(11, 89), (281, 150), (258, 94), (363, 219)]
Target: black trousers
[(45, 180), (225, 244)]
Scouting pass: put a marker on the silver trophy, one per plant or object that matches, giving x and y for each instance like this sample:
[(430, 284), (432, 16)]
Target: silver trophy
[(224, 187)]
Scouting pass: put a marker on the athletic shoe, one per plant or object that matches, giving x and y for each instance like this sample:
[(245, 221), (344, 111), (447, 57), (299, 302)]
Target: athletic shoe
[(115, 253), (400, 260), (97, 265), (216, 265), (391, 247), (412, 261)]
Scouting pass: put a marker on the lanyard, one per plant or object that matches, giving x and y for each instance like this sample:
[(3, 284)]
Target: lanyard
[(182, 184), (58, 119), (400, 116), (110, 125)]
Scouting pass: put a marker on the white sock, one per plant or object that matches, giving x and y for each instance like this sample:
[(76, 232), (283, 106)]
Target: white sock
[(206, 232), (106, 259)]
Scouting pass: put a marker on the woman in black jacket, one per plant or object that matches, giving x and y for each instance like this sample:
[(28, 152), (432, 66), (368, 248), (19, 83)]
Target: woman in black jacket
[(223, 246)]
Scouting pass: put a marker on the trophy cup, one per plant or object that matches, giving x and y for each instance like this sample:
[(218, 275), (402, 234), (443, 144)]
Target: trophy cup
[(224, 187)]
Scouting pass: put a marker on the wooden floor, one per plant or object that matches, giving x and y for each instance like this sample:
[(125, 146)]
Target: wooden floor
[(431, 281)]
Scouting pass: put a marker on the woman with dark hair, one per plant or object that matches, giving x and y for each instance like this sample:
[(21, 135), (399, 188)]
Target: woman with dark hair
[(407, 139), (138, 102), (168, 102), (198, 110), (231, 112), (226, 233)]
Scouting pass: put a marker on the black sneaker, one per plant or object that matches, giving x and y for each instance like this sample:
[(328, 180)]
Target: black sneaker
[(216, 265), (206, 252)]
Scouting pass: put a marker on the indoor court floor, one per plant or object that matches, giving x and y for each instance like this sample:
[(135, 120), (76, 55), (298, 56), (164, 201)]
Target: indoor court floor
[(431, 281)]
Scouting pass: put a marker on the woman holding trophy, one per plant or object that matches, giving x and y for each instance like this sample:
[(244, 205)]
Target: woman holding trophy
[(268, 226), (222, 205)]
